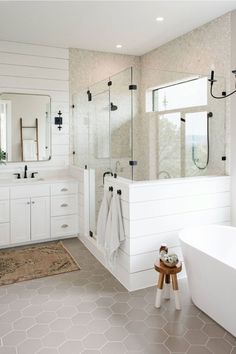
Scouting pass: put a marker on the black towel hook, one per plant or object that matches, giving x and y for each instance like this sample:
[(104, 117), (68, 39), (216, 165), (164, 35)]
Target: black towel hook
[(119, 191), (110, 189)]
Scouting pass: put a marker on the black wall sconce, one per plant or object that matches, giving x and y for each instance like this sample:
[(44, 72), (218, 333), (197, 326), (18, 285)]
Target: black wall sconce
[(224, 94), (58, 120)]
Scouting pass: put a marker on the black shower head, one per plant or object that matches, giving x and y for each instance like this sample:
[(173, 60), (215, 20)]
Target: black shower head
[(113, 107)]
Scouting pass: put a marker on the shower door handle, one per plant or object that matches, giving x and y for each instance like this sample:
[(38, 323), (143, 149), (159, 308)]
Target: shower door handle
[(105, 174)]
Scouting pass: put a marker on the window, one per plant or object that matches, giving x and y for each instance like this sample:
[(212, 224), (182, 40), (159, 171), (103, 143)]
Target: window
[(191, 93)]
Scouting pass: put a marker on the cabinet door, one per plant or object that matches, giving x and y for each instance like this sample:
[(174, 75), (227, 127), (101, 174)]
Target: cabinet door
[(40, 218), (4, 234), (4, 211), (20, 220)]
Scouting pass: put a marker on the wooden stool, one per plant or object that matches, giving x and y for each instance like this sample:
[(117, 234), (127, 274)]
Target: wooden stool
[(167, 274)]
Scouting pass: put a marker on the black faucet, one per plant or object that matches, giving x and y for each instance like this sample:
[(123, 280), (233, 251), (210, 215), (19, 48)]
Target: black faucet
[(25, 171)]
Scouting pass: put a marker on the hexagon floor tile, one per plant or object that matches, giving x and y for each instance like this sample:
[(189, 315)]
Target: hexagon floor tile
[(89, 312)]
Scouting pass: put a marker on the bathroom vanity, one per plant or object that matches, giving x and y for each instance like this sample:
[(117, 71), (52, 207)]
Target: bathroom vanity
[(37, 210)]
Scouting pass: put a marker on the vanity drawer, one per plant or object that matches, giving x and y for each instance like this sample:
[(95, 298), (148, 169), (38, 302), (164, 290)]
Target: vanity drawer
[(4, 193), (4, 234), (64, 225), (30, 191), (4, 211), (64, 188), (64, 205)]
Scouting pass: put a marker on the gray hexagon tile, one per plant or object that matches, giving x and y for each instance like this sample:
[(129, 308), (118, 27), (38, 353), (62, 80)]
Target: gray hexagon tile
[(14, 338), (45, 317), (76, 332), (98, 326), (60, 324), (7, 350), (53, 339), (177, 344), (116, 334), (196, 336), (94, 341), (29, 346), (72, 346), (38, 331), (90, 312)]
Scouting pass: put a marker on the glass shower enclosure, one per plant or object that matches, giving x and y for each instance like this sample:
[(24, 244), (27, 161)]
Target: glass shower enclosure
[(170, 127), (103, 134)]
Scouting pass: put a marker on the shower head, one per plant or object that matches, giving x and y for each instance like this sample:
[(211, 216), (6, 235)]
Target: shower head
[(113, 107)]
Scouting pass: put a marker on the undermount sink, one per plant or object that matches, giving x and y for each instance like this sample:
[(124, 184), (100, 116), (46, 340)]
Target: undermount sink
[(28, 180)]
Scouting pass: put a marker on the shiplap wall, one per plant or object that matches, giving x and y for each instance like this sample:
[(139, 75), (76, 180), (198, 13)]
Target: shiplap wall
[(154, 212), (34, 69)]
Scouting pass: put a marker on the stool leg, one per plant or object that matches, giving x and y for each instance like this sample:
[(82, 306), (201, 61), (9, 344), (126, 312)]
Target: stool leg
[(176, 291), (159, 290), (167, 286)]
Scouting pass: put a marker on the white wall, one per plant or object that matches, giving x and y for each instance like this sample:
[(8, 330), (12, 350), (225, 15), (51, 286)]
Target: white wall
[(34, 69), (154, 213)]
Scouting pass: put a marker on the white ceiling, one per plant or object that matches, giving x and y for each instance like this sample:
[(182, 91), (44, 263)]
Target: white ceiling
[(100, 25)]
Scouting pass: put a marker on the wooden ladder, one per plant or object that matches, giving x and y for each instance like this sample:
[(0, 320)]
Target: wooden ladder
[(36, 127)]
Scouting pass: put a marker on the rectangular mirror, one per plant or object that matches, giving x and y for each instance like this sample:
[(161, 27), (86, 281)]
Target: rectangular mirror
[(25, 127)]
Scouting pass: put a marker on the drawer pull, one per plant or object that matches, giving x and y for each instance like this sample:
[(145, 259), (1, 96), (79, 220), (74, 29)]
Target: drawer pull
[(64, 205), (64, 190), (64, 226)]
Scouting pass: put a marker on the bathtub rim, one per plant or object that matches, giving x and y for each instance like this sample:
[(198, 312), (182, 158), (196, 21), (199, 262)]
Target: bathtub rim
[(189, 229)]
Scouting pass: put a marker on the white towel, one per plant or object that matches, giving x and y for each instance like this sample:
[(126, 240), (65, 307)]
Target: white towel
[(102, 218), (29, 150), (115, 234)]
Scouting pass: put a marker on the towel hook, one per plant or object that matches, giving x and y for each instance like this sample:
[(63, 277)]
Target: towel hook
[(111, 189), (119, 191)]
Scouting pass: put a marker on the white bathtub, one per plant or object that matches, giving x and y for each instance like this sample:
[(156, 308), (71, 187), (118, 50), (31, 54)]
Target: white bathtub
[(210, 258)]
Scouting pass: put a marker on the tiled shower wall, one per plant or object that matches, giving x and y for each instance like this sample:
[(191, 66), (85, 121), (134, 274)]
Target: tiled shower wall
[(194, 52)]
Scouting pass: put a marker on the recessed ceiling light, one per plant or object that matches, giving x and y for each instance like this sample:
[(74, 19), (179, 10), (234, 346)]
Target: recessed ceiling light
[(160, 19), (119, 46)]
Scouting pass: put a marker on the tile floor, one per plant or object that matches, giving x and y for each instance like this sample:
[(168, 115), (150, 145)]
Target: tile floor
[(90, 312)]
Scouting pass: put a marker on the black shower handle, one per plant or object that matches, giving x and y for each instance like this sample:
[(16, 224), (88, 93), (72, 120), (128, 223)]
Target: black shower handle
[(105, 174)]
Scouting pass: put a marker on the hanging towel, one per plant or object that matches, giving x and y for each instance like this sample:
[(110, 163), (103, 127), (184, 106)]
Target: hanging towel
[(102, 218), (29, 150), (115, 234)]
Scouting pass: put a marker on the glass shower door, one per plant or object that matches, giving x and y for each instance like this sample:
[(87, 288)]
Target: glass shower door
[(99, 149), (121, 123), (110, 136)]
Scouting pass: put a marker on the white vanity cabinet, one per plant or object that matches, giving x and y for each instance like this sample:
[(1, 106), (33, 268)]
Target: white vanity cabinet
[(4, 217), (30, 217), (64, 209), (20, 220), (32, 211), (40, 218)]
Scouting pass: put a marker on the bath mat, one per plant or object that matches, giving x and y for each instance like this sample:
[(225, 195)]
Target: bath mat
[(31, 262)]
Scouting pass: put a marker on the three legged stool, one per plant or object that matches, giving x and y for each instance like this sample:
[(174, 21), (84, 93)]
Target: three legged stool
[(168, 275)]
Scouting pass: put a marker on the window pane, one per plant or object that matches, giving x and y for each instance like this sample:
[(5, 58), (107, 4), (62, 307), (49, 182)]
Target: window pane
[(187, 94), (169, 146)]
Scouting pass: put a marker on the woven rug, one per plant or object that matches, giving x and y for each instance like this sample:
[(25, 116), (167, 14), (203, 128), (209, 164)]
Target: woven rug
[(31, 262)]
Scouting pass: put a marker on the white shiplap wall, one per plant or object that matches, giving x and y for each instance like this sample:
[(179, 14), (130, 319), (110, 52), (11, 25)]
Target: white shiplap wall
[(154, 212), (35, 69)]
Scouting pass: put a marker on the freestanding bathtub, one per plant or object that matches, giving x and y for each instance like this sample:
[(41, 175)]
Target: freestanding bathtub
[(210, 258)]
